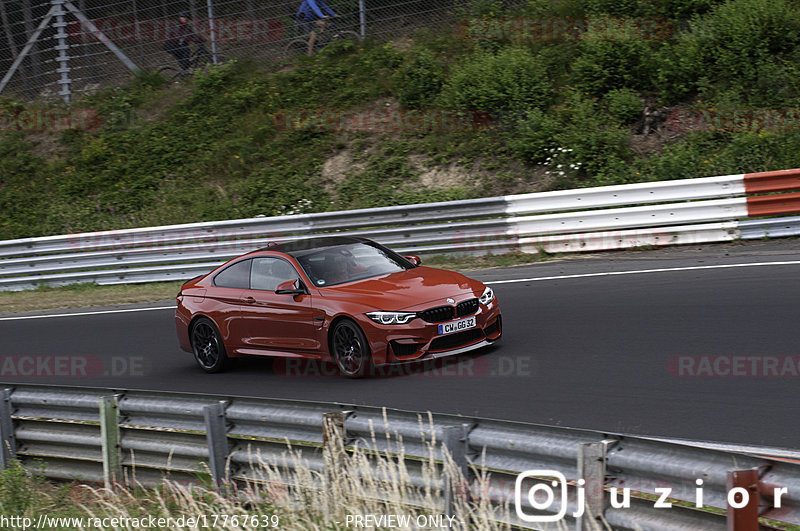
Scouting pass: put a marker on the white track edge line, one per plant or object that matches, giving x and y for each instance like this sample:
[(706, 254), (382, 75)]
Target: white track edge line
[(643, 271), (81, 314)]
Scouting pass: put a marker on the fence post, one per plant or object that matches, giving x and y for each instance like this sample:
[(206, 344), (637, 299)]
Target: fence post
[(592, 469), (110, 440), (63, 51), (362, 17), (217, 439), (455, 439), (743, 514), (213, 30), (7, 438)]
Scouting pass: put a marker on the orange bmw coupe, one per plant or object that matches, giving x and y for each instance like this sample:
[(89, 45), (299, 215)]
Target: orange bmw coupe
[(344, 300)]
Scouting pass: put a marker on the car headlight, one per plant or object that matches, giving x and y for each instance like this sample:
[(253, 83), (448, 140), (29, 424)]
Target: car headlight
[(391, 318), (487, 297)]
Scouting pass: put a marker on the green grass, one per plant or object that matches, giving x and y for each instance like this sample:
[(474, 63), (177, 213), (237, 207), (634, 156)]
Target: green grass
[(236, 142), (86, 295)]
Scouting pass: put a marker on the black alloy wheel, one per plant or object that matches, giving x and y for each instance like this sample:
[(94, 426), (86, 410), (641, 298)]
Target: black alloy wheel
[(208, 348), (351, 350)]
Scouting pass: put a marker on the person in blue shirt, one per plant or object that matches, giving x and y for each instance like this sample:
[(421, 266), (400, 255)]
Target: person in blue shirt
[(311, 17)]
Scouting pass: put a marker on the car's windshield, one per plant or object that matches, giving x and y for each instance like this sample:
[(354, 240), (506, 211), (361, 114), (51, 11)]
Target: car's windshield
[(344, 263)]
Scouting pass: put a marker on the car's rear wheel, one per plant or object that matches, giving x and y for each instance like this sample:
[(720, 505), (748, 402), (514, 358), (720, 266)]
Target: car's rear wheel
[(208, 348), (351, 350)]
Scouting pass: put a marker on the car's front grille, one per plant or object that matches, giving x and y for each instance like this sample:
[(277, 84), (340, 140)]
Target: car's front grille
[(467, 307), (456, 340), (437, 315)]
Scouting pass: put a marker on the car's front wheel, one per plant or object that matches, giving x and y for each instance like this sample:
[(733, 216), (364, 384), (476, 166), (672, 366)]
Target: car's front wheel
[(208, 348), (351, 350)]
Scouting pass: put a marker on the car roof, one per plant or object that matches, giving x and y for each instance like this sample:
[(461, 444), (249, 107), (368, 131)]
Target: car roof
[(303, 246)]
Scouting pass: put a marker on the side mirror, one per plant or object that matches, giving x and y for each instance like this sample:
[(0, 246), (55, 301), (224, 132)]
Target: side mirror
[(414, 259), (290, 287)]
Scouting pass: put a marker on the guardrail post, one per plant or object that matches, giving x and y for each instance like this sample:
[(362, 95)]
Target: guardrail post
[(592, 469), (7, 437), (217, 438), (455, 439), (334, 437), (110, 440), (743, 498)]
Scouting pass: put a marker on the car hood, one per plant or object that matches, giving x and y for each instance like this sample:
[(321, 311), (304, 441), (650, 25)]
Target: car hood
[(407, 289)]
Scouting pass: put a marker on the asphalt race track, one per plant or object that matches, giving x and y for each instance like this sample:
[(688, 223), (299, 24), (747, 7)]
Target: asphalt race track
[(699, 343)]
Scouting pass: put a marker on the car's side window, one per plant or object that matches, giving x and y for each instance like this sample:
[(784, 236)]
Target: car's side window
[(235, 276), (268, 272)]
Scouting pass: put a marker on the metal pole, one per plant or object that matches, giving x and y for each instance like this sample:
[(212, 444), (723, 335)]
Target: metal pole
[(743, 518), (25, 51), (110, 440), (592, 469), (137, 31), (62, 48), (7, 28), (362, 15), (217, 438), (213, 30), (334, 439), (455, 439), (7, 438), (99, 35)]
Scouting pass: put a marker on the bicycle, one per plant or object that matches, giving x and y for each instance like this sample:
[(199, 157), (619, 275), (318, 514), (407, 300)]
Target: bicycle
[(200, 58), (325, 37)]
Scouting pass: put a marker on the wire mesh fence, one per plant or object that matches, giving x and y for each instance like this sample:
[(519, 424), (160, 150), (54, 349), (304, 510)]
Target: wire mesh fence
[(57, 49)]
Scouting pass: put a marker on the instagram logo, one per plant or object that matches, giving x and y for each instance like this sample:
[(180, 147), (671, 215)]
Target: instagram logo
[(541, 496)]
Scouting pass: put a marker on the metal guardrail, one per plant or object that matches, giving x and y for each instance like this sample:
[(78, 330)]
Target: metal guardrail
[(592, 219), (95, 434)]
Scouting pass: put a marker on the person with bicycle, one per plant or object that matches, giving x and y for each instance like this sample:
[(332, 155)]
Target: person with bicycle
[(178, 38), (311, 17)]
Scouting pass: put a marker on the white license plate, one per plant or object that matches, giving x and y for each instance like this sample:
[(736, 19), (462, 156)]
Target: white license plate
[(456, 326)]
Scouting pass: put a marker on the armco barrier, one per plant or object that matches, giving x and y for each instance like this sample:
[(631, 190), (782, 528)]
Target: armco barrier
[(591, 219), (94, 434)]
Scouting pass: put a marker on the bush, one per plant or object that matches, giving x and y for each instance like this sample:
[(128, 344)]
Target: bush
[(744, 44), (606, 64), (598, 148), (419, 80), (534, 135), (16, 490), (624, 104), (513, 79)]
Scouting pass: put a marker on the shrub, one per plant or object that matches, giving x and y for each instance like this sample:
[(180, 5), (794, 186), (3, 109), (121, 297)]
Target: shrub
[(419, 80), (513, 79), (744, 44), (624, 104), (606, 64)]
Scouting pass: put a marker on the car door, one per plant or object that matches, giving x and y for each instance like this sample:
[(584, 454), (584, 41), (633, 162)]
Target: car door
[(225, 300), (276, 323)]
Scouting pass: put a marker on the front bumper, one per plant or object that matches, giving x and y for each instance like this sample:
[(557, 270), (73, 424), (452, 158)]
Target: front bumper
[(420, 340)]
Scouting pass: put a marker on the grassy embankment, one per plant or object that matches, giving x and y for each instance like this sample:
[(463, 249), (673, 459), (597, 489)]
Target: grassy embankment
[(565, 113)]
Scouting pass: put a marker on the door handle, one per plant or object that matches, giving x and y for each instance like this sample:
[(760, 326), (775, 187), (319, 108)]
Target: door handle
[(249, 300)]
